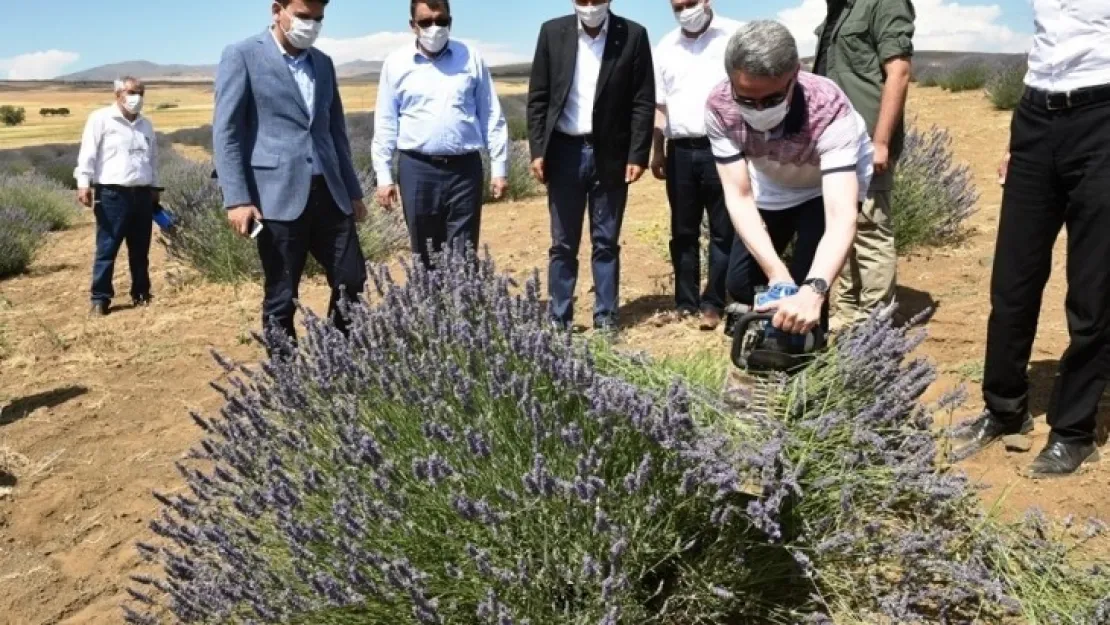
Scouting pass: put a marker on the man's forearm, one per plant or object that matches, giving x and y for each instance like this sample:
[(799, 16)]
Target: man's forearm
[(893, 99), (745, 218)]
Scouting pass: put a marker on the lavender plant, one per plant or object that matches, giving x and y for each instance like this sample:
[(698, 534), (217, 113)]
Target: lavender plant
[(455, 460), (21, 235), (1007, 84), (41, 197), (933, 196)]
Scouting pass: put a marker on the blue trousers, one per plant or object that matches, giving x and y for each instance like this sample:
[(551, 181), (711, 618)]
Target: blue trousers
[(804, 225), (442, 199), (123, 214), (572, 187)]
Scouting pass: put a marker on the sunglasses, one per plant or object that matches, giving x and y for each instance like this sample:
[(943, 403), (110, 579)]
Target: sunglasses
[(443, 22), (774, 99), (686, 5)]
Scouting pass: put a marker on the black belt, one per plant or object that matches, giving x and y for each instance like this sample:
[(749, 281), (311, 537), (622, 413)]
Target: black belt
[(126, 189), (588, 139), (696, 143), (439, 159), (1060, 100)]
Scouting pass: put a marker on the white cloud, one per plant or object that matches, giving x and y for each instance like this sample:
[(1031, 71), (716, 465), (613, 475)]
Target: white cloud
[(37, 65), (377, 46), (939, 25)]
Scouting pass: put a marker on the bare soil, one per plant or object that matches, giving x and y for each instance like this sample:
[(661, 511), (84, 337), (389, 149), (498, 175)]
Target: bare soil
[(97, 410)]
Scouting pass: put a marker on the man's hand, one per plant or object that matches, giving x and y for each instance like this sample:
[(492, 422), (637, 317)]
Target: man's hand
[(882, 158), (632, 173), (498, 186), (241, 219), (359, 208), (85, 196), (659, 166), (537, 171), (387, 196), (1003, 168), (797, 314)]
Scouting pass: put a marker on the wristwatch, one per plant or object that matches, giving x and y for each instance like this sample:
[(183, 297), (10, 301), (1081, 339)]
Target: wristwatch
[(818, 285)]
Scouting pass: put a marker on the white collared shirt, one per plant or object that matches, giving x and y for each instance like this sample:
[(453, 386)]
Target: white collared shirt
[(578, 114), (1071, 44), (117, 151), (686, 70)]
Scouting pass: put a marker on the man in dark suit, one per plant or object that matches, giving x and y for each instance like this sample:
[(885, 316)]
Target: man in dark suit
[(591, 112), (284, 160)]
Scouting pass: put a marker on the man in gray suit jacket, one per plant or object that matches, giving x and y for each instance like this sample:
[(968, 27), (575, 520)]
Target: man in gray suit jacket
[(284, 163)]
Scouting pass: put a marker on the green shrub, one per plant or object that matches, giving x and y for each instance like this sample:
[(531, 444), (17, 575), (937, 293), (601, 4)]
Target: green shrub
[(165, 105), (42, 197), (933, 196), (1007, 85), (454, 460), (967, 75), (12, 116), (521, 183), (518, 129), (21, 235)]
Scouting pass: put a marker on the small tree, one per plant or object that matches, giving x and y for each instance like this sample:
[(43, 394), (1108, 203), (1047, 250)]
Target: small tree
[(12, 116)]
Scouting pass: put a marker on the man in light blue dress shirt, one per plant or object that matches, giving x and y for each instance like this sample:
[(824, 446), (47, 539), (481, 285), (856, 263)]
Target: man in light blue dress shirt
[(438, 108)]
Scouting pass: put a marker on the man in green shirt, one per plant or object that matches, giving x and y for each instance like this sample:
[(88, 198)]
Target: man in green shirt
[(865, 47)]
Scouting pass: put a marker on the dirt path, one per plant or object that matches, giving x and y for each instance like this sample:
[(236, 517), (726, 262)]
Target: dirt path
[(100, 409)]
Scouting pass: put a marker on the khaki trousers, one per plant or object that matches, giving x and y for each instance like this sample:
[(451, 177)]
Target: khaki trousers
[(869, 276)]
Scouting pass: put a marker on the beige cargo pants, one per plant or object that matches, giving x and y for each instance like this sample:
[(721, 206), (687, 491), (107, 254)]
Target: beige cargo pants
[(869, 277)]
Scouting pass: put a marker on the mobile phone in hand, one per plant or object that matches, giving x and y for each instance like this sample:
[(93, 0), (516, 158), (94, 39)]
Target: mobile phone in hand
[(256, 230)]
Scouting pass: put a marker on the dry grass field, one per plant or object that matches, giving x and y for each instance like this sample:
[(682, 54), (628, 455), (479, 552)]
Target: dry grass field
[(98, 410), (193, 107)]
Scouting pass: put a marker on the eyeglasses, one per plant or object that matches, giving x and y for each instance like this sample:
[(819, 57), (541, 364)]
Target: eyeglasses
[(442, 21), (774, 99)]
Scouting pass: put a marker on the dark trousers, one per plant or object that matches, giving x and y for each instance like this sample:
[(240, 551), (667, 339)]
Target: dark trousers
[(331, 236), (1059, 175), (123, 214), (804, 225), (442, 199), (572, 187), (694, 190)]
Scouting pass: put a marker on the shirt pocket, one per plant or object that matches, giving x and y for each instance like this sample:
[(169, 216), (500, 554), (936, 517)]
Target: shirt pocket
[(857, 49), (265, 160)]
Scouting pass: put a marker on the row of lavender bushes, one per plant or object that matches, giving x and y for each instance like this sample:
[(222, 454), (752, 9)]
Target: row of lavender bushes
[(1001, 80), (31, 205), (454, 460), (203, 240)]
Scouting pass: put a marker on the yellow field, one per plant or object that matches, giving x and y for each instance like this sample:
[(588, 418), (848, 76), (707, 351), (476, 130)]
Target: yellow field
[(194, 108)]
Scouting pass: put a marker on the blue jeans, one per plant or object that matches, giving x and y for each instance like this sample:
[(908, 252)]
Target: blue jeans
[(122, 215), (442, 199), (572, 186)]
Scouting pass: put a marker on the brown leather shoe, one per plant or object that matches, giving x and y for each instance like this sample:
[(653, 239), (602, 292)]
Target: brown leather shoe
[(710, 319)]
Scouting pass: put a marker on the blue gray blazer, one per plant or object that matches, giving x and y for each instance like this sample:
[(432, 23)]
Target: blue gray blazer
[(263, 134)]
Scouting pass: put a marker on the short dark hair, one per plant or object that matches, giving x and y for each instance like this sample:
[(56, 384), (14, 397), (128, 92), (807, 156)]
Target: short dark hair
[(285, 3), (432, 4)]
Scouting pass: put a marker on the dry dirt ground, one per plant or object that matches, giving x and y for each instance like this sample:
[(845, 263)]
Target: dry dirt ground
[(99, 409)]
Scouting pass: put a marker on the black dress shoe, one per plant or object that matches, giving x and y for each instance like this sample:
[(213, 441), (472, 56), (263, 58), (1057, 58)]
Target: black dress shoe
[(988, 428), (142, 300), (98, 309), (1060, 458)]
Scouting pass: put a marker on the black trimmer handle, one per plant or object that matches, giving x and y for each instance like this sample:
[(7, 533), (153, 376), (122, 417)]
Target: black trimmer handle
[(814, 338)]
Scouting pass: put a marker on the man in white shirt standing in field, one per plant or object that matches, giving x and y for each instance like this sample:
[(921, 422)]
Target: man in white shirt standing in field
[(689, 62), (117, 172), (1056, 174)]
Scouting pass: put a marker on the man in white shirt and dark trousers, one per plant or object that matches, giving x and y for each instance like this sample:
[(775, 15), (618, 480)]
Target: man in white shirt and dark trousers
[(689, 62), (117, 172), (1057, 173)]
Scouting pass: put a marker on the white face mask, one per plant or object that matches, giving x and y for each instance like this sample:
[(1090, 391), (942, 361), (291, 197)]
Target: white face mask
[(434, 38), (133, 102), (694, 19), (302, 33), (768, 118), (592, 16)]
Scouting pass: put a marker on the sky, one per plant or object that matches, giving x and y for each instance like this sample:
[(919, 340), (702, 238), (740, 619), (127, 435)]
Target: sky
[(47, 38)]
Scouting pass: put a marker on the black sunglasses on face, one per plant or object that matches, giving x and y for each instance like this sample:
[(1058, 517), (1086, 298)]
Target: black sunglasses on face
[(686, 5), (774, 99), (442, 22)]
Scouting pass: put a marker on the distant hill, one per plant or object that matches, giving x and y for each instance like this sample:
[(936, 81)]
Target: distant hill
[(370, 70)]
